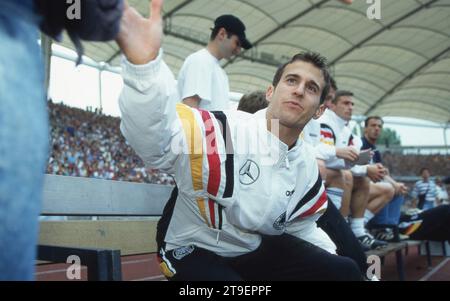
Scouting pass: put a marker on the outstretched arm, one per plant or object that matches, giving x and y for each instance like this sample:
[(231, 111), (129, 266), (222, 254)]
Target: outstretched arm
[(149, 96)]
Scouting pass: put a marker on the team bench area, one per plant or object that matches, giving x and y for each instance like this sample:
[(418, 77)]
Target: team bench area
[(100, 221)]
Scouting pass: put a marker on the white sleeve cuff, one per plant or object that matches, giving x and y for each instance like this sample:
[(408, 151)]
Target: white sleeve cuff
[(139, 72)]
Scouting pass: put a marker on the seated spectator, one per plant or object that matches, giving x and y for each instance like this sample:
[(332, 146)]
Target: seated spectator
[(442, 195), (425, 190)]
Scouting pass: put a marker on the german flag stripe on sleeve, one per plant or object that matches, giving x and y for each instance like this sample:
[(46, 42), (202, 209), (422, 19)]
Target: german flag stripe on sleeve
[(413, 227), (194, 141), (320, 202), (327, 134), (229, 163), (212, 154), (310, 195)]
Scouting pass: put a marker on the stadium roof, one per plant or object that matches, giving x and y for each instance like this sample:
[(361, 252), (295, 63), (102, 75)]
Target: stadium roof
[(396, 66)]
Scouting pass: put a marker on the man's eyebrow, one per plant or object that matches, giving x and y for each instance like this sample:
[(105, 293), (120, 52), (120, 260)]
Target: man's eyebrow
[(311, 81), (292, 75), (314, 83)]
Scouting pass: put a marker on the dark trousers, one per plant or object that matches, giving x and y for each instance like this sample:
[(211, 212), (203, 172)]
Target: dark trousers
[(282, 257), (337, 228)]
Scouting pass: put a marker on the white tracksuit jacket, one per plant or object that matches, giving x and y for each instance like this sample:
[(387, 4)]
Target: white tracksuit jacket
[(230, 190), (334, 133)]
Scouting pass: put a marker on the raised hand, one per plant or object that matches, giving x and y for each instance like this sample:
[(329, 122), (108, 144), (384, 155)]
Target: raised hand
[(140, 38)]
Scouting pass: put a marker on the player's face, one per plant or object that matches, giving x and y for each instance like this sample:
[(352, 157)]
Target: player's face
[(296, 98)]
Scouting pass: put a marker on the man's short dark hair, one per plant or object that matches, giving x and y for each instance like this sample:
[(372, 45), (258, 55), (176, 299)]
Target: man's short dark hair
[(333, 83), (341, 93), (366, 122), (423, 169), (215, 32), (253, 102), (315, 59)]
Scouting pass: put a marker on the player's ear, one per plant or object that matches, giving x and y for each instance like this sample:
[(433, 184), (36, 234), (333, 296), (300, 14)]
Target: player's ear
[(319, 111), (269, 93)]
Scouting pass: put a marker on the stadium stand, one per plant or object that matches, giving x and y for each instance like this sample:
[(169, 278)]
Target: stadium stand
[(410, 164), (89, 144)]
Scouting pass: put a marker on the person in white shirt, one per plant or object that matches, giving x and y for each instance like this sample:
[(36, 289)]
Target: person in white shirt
[(442, 195), (336, 144), (239, 206), (424, 191), (202, 83)]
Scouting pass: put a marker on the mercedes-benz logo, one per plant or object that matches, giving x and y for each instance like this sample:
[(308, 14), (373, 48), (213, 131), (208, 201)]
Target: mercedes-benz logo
[(249, 173)]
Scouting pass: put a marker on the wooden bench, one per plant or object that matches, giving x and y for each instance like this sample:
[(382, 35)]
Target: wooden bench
[(425, 247), (429, 248), (132, 209), (392, 247)]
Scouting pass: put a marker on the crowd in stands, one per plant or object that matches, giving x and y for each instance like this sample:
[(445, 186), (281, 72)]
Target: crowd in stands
[(401, 165), (89, 144), (409, 165)]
